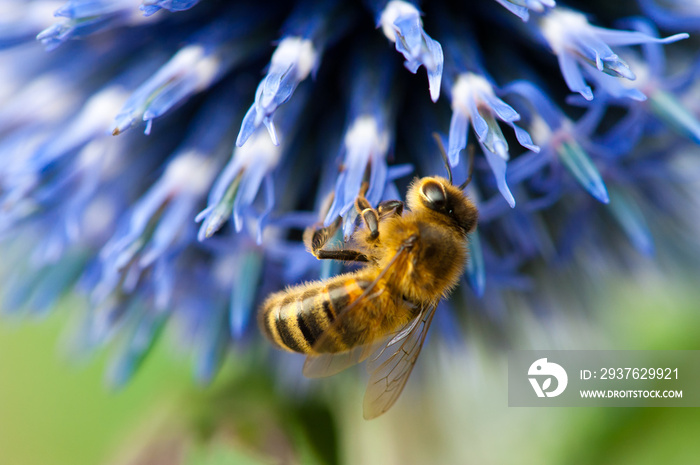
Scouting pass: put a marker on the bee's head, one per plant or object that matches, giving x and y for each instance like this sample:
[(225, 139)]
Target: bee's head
[(439, 195)]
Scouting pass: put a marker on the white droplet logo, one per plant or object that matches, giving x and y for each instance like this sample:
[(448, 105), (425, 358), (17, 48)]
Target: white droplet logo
[(541, 368)]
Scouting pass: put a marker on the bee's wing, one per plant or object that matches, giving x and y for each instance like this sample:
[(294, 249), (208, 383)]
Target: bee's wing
[(327, 363), (390, 368)]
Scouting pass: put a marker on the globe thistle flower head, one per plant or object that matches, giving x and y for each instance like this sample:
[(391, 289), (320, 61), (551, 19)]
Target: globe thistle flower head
[(190, 223)]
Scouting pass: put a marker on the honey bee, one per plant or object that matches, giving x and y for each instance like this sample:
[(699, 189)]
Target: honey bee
[(412, 259)]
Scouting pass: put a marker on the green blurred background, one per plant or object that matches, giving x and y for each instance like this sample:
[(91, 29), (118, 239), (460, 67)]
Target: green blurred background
[(58, 412)]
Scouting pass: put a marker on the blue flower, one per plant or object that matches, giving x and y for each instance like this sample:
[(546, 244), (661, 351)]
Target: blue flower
[(291, 63), (297, 55), (581, 47), (261, 120), (400, 21), (238, 185), (522, 8), (474, 100), (561, 137), (653, 93), (475, 103), (82, 18), (194, 68)]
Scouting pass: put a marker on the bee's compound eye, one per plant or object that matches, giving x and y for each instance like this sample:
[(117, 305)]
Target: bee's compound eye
[(434, 194)]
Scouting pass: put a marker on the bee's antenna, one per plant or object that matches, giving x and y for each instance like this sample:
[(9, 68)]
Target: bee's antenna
[(437, 138), (471, 150)]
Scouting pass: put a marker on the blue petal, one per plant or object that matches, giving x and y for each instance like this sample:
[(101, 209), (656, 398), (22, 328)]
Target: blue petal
[(419, 49), (520, 11), (168, 229), (149, 10), (613, 86), (211, 345), (248, 125), (273, 91), (459, 125), (669, 18), (377, 180), (338, 200), (476, 270), (243, 291), (498, 168), (614, 37), (151, 6), (434, 74), (524, 138), (263, 218), (86, 9), (543, 104), (58, 279), (356, 165), (481, 127), (398, 171), (140, 338), (667, 108), (629, 215), (365, 145), (83, 18), (193, 69), (247, 192), (582, 168), (573, 76), (221, 199), (292, 61), (504, 111)]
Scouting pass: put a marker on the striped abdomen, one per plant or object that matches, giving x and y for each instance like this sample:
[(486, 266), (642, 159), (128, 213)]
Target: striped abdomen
[(294, 319)]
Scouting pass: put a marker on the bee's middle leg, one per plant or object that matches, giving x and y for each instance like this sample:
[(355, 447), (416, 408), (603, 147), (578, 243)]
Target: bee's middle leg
[(390, 208)]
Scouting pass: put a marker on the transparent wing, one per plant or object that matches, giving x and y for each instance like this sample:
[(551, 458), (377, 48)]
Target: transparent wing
[(326, 362), (392, 365)]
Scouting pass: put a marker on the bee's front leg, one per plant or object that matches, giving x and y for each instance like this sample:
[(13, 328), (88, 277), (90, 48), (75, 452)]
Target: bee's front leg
[(369, 215), (316, 238)]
